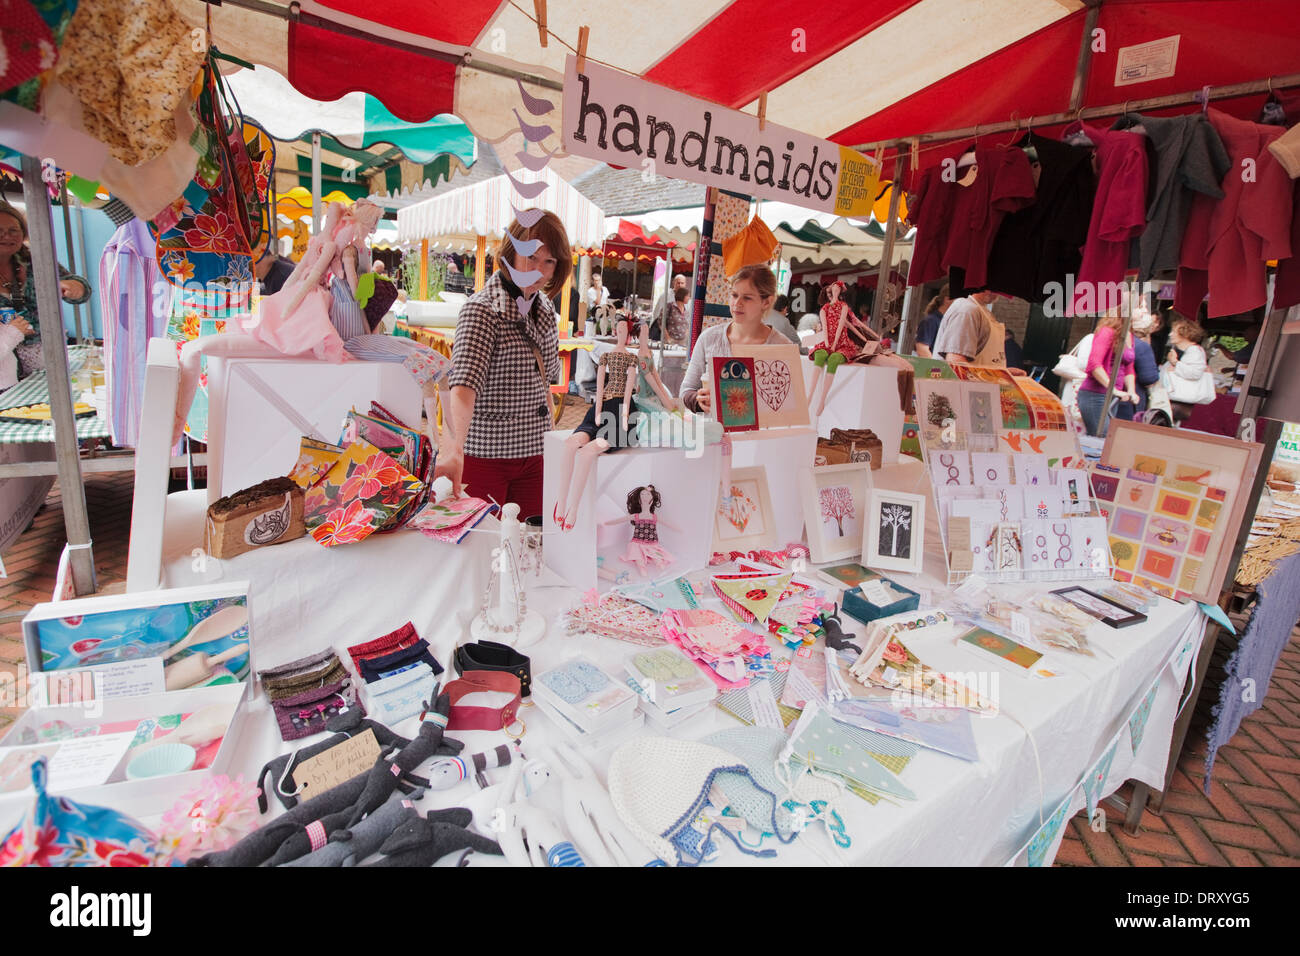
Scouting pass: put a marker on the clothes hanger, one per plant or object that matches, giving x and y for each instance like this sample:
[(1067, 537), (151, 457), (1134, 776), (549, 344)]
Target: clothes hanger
[(1129, 122), (1075, 136)]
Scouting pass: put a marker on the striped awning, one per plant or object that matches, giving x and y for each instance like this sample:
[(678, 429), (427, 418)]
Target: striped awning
[(853, 71)]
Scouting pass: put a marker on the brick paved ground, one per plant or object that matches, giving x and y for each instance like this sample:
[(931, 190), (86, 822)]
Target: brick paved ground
[(1252, 817)]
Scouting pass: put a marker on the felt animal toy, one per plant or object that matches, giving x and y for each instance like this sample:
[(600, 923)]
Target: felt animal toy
[(601, 837), (350, 847), (383, 777), (261, 845), (834, 632), (423, 841), (345, 726), (531, 774), (446, 773)]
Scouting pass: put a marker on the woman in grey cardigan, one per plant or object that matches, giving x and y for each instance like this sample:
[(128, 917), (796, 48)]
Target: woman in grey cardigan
[(753, 290)]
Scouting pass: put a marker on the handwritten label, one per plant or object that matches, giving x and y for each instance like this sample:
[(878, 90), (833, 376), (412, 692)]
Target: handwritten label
[(338, 764), (972, 586), (763, 703), (1020, 626), (876, 593)]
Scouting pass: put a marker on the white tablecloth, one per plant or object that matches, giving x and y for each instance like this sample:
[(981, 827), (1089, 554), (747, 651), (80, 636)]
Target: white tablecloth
[(304, 597)]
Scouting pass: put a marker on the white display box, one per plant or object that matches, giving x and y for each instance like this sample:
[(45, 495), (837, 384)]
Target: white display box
[(259, 410), (82, 638), (783, 452), (688, 487), (861, 396)]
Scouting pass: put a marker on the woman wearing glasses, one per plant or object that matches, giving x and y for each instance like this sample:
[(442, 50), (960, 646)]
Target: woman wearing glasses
[(505, 358), (18, 293)]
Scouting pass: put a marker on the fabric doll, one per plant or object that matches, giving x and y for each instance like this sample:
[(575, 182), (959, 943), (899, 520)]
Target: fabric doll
[(644, 549), (844, 337), (614, 381), (305, 318)]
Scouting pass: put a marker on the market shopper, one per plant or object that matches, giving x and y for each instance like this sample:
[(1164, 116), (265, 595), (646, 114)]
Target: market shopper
[(753, 290), (504, 364), (969, 333), (18, 289), (928, 329), (1186, 365), (1101, 359)]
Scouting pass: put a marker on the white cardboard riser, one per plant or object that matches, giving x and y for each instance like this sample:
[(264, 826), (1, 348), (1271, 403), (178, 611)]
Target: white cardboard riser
[(689, 489), (783, 453), (252, 439), (860, 397)]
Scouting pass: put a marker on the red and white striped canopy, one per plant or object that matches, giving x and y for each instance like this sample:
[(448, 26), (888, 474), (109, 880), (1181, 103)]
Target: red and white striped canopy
[(853, 71)]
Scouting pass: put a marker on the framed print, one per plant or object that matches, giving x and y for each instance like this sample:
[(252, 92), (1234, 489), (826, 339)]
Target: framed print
[(939, 401), (778, 384), (744, 518), (734, 396), (982, 408), (1179, 503), (895, 534), (1103, 609), (834, 500)]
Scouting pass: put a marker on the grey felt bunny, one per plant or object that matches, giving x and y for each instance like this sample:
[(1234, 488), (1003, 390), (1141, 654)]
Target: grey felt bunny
[(349, 847), (424, 841)]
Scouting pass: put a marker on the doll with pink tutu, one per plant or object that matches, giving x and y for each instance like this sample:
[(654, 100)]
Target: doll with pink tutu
[(644, 549)]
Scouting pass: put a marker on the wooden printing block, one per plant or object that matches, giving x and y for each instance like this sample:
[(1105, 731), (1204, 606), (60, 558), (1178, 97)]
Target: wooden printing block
[(265, 514)]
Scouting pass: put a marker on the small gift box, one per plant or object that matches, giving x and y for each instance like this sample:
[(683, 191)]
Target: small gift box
[(879, 598)]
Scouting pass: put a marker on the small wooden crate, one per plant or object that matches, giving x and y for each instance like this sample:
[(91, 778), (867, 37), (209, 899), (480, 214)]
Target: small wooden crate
[(268, 513)]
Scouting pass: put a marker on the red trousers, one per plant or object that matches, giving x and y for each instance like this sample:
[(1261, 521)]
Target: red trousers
[(506, 479)]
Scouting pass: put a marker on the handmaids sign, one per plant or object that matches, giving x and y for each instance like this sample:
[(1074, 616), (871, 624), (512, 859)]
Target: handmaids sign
[(626, 121)]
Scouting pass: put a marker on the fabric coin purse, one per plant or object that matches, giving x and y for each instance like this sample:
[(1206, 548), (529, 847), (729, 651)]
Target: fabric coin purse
[(307, 693)]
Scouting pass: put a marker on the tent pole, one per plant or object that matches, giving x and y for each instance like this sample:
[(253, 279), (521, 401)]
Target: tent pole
[(1091, 112), (887, 251), (424, 269), (1085, 55), (315, 183), (54, 347), (72, 255), (480, 262)]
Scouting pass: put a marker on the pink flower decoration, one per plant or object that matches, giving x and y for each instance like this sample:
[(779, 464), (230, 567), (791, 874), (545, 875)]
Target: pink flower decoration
[(368, 478), (213, 234), (345, 525)]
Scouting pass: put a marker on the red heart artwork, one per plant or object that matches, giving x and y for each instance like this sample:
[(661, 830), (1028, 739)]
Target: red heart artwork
[(773, 382)]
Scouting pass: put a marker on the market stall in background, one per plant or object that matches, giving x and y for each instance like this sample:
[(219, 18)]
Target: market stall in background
[(798, 595)]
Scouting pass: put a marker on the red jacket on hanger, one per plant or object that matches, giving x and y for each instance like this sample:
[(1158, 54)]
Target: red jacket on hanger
[(1228, 241)]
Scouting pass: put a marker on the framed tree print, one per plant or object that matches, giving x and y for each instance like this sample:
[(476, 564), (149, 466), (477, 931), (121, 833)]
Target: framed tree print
[(834, 500), (895, 532)]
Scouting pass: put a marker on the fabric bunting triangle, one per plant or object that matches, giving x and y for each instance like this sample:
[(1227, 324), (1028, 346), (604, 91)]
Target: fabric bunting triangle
[(1137, 724), (751, 598)]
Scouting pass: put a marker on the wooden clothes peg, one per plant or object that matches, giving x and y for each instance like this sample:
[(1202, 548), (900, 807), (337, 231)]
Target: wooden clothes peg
[(539, 8), (762, 111), (583, 34)]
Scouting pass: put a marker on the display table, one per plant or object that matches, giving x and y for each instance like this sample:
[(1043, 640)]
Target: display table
[(1048, 734)]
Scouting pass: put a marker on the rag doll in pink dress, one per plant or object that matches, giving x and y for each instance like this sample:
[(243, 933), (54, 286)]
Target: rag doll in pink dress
[(296, 320), (844, 338), (644, 549)]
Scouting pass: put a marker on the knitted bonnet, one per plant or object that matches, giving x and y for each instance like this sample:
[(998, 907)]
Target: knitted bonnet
[(658, 785)]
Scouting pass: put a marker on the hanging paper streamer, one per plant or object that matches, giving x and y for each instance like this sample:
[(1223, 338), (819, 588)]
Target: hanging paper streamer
[(1137, 724), (1095, 782), (521, 278), (528, 217), (526, 247), (534, 134), (1045, 838), (527, 190)]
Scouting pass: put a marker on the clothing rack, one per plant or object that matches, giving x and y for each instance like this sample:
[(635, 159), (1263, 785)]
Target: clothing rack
[(1091, 112)]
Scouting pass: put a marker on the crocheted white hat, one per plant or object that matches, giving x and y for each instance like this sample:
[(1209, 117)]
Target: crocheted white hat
[(658, 784)]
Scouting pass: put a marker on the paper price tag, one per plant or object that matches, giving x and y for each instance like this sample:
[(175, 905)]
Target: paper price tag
[(876, 593), (338, 764), (972, 586), (1020, 626), (763, 704)]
